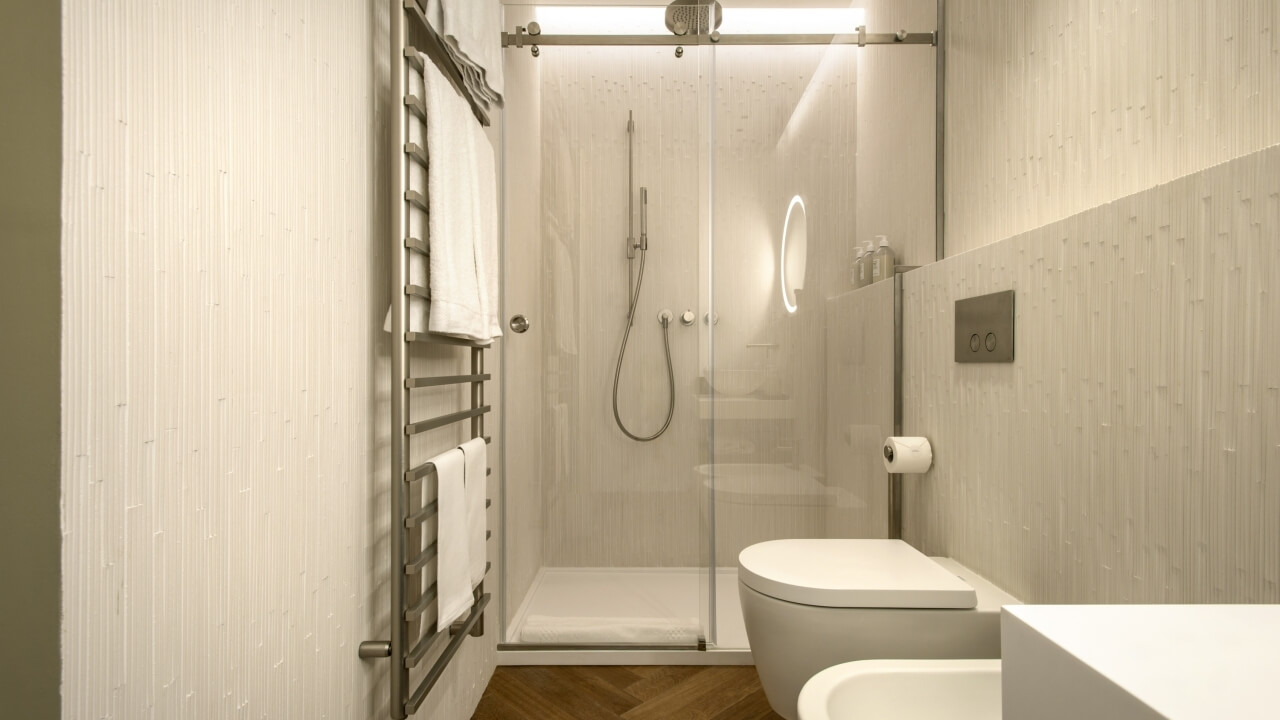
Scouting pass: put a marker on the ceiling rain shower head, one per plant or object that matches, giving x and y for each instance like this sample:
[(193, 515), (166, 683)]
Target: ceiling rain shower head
[(694, 17)]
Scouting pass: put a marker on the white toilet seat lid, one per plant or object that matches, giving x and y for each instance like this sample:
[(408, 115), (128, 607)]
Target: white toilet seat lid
[(852, 573)]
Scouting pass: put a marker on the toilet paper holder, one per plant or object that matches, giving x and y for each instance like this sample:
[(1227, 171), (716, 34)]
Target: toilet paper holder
[(912, 455)]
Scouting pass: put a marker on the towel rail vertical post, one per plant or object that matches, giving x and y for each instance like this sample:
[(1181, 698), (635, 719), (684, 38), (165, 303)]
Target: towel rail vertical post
[(477, 431), (399, 362)]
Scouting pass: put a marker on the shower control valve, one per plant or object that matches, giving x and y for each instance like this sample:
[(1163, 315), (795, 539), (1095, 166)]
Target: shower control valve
[(687, 318)]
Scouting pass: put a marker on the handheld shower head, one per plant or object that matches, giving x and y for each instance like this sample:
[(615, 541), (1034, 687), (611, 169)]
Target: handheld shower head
[(644, 218), (695, 17)]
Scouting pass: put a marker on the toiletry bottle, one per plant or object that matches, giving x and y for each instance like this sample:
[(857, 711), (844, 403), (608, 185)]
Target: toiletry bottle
[(864, 270), (882, 261), (856, 274)]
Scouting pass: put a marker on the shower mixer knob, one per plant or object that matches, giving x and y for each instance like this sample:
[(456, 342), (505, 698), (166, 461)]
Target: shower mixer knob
[(687, 317)]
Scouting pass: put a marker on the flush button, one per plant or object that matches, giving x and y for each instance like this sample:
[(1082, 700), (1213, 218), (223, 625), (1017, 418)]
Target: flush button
[(984, 328)]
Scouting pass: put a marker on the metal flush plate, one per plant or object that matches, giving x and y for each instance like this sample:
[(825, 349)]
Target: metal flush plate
[(984, 328)]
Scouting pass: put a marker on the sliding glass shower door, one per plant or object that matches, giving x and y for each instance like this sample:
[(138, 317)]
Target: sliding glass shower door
[(800, 362), (606, 196)]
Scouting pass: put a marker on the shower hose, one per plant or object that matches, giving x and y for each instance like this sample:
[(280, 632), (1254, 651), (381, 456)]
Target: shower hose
[(622, 352)]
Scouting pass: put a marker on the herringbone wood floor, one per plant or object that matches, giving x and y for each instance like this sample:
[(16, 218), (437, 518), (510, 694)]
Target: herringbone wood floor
[(652, 692)]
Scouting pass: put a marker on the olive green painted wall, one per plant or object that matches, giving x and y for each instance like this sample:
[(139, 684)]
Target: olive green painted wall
[(30, 313)]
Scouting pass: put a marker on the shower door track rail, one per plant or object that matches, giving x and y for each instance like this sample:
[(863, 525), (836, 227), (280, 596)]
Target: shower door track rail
[(521, 37), (413, 630), (701, 646)]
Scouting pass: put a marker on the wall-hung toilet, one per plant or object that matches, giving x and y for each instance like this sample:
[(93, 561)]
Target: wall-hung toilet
[(811, 604)]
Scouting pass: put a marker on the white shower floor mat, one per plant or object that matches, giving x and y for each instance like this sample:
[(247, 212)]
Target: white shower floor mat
[(628, 605)]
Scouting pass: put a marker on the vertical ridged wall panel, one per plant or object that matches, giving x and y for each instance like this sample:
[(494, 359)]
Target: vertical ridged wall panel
[(225, 380), (1057, 107), (859, 380), (1131, 453), (896, 134)]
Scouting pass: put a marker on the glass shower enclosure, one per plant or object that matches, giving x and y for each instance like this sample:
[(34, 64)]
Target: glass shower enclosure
[(699, 203)]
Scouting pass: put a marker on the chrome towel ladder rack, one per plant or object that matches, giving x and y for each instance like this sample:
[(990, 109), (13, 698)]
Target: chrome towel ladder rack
[(413, 639)]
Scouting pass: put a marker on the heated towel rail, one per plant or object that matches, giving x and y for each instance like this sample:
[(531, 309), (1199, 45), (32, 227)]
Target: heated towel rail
[(413, 637)]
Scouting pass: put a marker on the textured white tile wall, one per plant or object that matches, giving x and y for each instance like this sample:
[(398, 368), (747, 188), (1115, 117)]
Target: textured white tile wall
[(224, 372), (859, 374), (1057, 107), (896, 133), (1131, 453)]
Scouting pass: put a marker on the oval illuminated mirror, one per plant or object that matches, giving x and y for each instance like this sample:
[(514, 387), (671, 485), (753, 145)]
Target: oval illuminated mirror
[(794, 252)]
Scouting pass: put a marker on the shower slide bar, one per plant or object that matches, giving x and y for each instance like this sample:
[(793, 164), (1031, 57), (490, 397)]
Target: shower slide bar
[(413, 634)]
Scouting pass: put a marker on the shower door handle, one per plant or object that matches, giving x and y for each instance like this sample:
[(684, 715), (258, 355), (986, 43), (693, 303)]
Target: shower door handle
[(519, 323)]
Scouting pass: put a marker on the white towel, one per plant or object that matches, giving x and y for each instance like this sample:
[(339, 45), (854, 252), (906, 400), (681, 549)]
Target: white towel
[(417, 320), (462, 225), (477, 483), (546, 629), (474, 29), (453, 556), (480, 28), (486, 243)]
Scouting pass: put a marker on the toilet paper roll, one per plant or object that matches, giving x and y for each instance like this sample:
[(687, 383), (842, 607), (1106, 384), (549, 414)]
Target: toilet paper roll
[(907, 455)]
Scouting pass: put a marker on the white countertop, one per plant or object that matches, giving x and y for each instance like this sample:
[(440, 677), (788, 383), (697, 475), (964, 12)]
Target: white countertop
[(1181, 661)]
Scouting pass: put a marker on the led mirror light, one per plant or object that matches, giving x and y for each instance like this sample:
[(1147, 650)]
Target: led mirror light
[(606, 20), (793, 256)]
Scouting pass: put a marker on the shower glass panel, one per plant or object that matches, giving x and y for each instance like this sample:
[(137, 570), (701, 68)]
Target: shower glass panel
[(606, 196), (742, 179), (816, 149)]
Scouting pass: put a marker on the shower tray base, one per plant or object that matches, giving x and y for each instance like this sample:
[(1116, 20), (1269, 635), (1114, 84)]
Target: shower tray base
[(629, 594)]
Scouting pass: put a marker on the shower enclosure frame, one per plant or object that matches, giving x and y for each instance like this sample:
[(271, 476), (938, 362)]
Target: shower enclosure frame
[(532, 37)]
